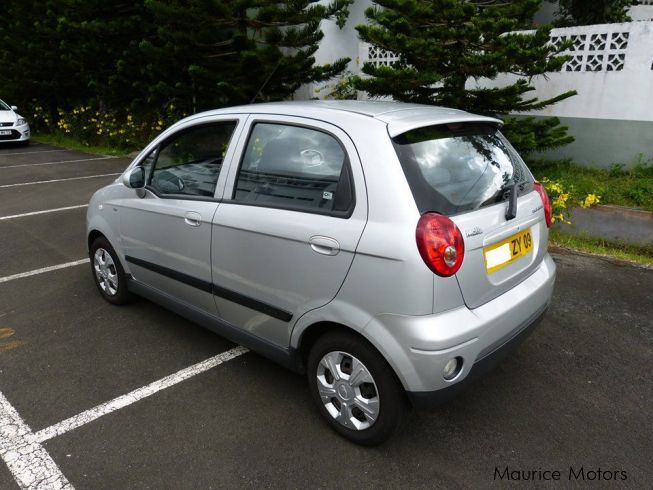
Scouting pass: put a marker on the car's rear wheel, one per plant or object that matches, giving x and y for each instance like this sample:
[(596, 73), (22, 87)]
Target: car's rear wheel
[(355, 389), (108, 273)]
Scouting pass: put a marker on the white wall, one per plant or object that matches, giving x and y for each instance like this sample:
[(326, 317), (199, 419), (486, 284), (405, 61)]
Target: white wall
[(625, 94), (611, 118), (642, 12), (548, 12), (339, 43)]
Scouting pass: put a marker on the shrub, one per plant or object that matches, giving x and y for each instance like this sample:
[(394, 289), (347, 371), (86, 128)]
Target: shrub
[(563, 197), (96, 127)]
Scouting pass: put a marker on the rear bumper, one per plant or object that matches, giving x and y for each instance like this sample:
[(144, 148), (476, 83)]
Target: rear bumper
[(418, 347), (429, 399)]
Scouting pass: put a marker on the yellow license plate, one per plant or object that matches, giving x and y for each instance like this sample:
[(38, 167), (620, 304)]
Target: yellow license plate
[(506, 251)]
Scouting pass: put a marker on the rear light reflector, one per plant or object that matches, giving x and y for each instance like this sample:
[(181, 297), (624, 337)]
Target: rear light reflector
[(440, 244), (545, 202)]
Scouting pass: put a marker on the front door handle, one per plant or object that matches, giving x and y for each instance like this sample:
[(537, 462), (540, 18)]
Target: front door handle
[(193, 219), (324, 245)]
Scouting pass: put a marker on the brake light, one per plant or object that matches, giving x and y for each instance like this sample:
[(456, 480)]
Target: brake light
[(440, 244), (545, 202)]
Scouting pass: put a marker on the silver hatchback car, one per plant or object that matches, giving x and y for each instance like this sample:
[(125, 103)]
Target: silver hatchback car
[(392, 252)]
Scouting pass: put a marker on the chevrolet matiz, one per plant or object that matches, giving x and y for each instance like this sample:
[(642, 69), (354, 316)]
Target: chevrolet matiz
[(391, 252)]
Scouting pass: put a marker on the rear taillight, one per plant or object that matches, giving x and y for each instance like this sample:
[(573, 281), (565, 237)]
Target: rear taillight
[(545, 202), (440, 244)]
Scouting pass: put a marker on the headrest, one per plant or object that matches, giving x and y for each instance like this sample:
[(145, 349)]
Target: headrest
[(281, 155)]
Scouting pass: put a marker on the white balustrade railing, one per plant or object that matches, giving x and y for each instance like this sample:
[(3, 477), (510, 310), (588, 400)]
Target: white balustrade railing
[(593, 48)]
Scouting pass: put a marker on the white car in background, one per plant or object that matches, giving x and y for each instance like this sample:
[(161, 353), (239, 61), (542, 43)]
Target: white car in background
[(13, 127)]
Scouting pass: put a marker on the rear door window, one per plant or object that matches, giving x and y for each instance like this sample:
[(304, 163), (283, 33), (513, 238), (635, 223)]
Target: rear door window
[(454, 168), (294, 167)]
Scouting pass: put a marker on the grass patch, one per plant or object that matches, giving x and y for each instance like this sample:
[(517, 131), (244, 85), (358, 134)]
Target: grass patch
[(631, 253), (73, 144), (632, 188)]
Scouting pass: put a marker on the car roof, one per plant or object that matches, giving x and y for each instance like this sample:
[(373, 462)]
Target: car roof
[(399, 116)]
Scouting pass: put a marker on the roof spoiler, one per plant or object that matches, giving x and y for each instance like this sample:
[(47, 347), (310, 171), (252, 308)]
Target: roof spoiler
[(400, 122)]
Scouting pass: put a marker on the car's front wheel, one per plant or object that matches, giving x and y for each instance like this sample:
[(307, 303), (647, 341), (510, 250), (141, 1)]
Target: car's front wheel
[(355, 389), (108, 273)]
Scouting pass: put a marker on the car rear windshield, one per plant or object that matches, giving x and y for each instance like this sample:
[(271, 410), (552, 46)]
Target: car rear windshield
[(454, 168)]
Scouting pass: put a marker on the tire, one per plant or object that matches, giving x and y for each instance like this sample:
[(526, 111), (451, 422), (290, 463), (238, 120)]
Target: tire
[(108, 274), (376, 387)]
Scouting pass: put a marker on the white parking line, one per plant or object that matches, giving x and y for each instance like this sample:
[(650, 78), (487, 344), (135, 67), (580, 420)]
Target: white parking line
[(43, 270), (136, 395), (28, 461), (5, 186), (30, 152), (58, 162), (44, 211)]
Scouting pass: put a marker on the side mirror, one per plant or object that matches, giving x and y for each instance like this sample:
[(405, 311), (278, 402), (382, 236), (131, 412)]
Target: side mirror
[(134, 178), (14, 108)]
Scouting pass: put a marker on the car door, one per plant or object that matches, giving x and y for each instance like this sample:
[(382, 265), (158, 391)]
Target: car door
[(166, 234), (285, 234)]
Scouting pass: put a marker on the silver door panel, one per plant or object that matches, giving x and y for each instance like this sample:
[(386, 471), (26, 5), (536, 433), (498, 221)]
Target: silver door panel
[(266, 254), (282, 258), (156, 231), (169, 239)]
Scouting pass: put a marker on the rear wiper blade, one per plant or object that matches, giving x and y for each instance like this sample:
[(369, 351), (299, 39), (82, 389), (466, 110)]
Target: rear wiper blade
[(511, 212)]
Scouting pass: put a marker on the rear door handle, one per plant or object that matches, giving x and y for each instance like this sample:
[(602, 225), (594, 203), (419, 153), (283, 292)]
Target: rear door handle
[(324, 245), (192, 218)]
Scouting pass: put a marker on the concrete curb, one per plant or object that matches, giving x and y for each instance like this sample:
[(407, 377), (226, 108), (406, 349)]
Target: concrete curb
[(556, 250), (614, 223)]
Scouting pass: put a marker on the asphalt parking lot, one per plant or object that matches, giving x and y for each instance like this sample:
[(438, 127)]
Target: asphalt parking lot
[(577, 393)]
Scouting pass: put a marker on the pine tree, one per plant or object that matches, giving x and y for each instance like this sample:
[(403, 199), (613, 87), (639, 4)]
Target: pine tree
[(99, 43), (447, 47), (587, 12), (30, 45), (212, 53), (145, 55)]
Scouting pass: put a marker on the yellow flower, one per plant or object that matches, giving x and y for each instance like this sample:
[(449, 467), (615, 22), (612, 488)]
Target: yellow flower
[(590, 200), (561, 200)]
